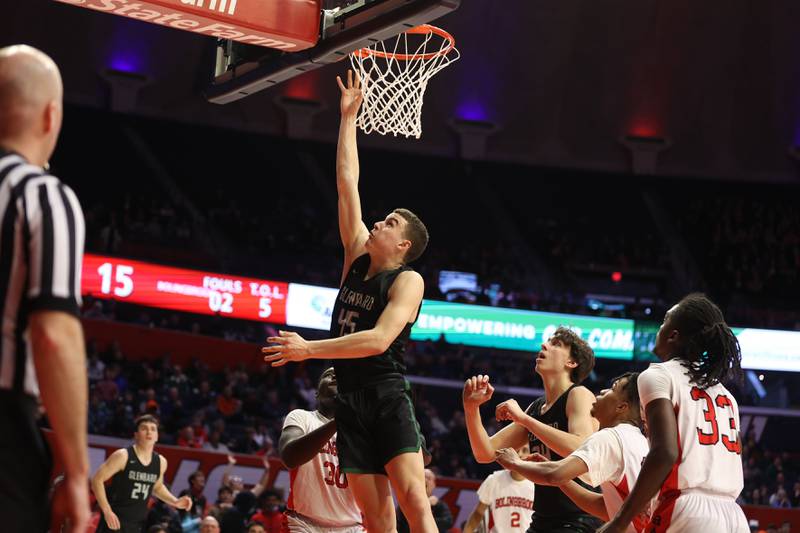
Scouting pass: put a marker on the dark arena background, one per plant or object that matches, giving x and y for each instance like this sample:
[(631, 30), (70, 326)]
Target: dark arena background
[(582, 163)]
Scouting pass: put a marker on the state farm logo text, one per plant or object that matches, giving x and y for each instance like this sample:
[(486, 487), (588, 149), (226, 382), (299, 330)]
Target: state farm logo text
[(189, 20)]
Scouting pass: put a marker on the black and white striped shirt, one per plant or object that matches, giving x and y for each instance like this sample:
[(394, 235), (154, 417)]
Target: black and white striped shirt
[(41, 251)]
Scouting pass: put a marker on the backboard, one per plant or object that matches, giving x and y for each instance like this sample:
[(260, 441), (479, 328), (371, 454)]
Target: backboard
[(242, 69)]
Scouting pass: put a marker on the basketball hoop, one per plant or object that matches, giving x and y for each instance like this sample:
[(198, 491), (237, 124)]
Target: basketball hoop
[(394, 78)]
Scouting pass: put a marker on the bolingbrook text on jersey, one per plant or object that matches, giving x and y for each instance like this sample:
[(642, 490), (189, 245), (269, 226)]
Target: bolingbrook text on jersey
[(514, 501), (329, 448), (357, 299)]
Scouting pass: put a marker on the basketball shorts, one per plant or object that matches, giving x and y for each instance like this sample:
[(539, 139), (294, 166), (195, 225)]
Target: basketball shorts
[(25, 465), (576, 524), (697, 512), (374, 425), (297, 523)]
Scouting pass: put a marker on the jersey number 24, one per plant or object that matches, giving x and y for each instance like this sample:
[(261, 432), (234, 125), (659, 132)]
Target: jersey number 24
[(140, 491)]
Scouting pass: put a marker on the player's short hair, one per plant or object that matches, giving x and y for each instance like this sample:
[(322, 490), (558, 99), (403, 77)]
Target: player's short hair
[(157, 528), (416, 232), (144, 419), (254, 524), (631, 392), (579, 351)]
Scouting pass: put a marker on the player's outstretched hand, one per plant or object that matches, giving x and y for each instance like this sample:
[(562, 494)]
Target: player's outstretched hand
[(70, 508), (507, 457), (288, 347), (509, 410), (184, 503), (536, 458), (477, 391), (351, 95)]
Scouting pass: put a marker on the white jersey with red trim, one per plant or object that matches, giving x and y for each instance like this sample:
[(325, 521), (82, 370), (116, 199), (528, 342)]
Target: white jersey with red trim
[(510, 502), (614, 458), (710, 459), (318, 488)]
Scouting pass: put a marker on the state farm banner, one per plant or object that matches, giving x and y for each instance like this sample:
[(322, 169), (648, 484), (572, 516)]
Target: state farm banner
[(290, 25)]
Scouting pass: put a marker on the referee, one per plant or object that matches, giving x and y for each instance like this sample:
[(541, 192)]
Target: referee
[(42, 351)]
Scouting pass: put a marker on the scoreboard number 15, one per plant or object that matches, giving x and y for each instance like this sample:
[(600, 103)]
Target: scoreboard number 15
[(123, 283)]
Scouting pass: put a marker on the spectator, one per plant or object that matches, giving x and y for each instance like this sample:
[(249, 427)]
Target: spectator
[(213, 444), (795, 497), (197, 484), (209, 524), (235, 517), (441, 512), (187, 438), (95, 368), (270, 514), (199, 428), (224, 501), (256, 527), (107, 388), (227, 404), (248, 443), (780, 499)]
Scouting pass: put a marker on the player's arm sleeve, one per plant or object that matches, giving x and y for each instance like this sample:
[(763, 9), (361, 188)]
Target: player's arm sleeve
[(654, 383), (486, 489), (296, 418), (602, 453), (54, 231)]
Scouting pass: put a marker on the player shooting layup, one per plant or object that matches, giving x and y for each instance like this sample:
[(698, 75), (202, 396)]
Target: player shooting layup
[(378, 302)]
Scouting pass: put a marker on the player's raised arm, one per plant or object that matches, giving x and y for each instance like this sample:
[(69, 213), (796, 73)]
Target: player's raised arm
[(351, 227), (405, 298), (477, 391)]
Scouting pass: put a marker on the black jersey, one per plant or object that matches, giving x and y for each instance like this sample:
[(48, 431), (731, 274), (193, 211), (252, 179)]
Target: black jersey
[(131, 488), (359, 304), (551, 502)]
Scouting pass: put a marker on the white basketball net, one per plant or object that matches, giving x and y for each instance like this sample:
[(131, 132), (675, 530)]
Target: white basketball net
[(394, 87)]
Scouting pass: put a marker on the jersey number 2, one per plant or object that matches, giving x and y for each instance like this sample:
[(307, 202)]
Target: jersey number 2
[(514, 519), (710, 413), (347, 319)]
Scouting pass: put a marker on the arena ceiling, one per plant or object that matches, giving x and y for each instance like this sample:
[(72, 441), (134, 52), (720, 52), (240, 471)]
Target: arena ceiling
[(562, 81)]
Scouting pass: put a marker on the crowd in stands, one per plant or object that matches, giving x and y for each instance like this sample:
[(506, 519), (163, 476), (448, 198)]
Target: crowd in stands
[(771, 478), (748, 245), (247, 205)]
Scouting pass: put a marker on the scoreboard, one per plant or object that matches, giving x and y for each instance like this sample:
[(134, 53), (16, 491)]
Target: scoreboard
[(180, 289), (310, 306)]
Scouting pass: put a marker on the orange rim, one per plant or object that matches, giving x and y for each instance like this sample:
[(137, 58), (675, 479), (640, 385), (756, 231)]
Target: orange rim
[(422, 29)]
